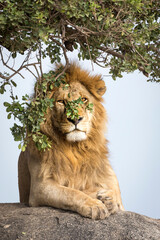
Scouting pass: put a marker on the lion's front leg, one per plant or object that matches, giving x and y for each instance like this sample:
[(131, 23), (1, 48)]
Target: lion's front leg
[(111, 195), (51, 194)]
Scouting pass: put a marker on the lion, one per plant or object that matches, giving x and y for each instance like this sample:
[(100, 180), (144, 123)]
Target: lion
[(75, 173)]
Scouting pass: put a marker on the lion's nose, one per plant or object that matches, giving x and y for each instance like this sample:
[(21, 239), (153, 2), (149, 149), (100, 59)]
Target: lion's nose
[(75, 121)]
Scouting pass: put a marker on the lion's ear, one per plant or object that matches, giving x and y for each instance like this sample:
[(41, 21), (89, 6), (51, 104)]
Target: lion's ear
[(101, 91), (100, 87)]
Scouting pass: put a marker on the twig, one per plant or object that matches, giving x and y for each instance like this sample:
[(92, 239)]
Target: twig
[(66, 58), (27, 57), (6, 65), (31, 72), (37, 72), (99, 64), (4, 77), (8, 58), (89, 54), (63, 30), (112, 52), (40, 62), (107, 75)]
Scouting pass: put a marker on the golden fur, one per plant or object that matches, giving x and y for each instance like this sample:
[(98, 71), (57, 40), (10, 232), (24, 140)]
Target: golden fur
[(75, 173)]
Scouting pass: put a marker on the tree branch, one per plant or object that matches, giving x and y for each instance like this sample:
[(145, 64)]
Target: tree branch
[(65, 56), (6, 65)]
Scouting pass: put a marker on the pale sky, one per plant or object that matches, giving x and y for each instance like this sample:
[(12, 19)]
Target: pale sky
[(133, 107)]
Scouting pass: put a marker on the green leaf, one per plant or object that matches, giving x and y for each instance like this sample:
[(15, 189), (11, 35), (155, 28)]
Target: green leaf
[(9, 115), (6, 104), (19, 146), (2, 90), (23, 148), (51, 87), (14, 55), (14, 84)]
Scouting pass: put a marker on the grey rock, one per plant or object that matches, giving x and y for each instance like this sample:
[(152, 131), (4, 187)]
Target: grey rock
[(20, 222)]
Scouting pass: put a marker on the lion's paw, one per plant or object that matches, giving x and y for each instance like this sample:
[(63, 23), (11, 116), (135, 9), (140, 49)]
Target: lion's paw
[(95, 209), (108, 198)]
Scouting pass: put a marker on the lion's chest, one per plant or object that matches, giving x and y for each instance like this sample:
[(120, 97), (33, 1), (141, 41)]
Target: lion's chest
[(75, 170)]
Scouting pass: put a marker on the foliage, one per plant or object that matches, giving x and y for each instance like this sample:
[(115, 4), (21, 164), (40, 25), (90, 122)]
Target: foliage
[(72, 107), (121, 35), (31, 112), (90, 107), (30, 115)]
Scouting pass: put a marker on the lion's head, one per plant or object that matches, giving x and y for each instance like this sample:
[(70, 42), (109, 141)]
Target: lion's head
[(75, 129), (89, 89)]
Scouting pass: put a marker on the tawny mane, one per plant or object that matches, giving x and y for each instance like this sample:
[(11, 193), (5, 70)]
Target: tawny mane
[(91, 153), (93, 83)]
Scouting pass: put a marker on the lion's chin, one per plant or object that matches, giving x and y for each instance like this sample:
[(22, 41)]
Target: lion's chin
[(76, 136)]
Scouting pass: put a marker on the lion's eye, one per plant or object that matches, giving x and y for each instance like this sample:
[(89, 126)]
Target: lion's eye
[(61, 102), (84, 99)]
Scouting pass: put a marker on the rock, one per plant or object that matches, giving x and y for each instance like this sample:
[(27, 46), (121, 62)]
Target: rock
[(20, 222)]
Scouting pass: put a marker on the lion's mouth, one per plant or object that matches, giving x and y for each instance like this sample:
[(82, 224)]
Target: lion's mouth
[(75, 130), (76, 135)]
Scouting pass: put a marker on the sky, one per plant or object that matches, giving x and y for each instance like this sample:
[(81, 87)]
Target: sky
[(133, 109)]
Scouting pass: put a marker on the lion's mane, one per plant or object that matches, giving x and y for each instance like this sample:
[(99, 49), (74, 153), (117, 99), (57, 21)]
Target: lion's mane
[(86, 157)]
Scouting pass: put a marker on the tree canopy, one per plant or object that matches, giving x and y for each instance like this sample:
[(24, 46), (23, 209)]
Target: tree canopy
[(120, 34)]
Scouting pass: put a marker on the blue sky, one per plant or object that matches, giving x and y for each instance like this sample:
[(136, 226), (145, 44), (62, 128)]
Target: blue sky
[(133, 107)]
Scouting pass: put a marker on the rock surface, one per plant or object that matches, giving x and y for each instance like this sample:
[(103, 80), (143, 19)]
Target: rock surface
[(19, 222)]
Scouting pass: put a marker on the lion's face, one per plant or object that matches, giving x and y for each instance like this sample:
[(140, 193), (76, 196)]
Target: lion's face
[(74, 129)]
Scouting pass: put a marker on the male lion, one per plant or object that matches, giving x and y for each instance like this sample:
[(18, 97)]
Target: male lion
[(74, 173)]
